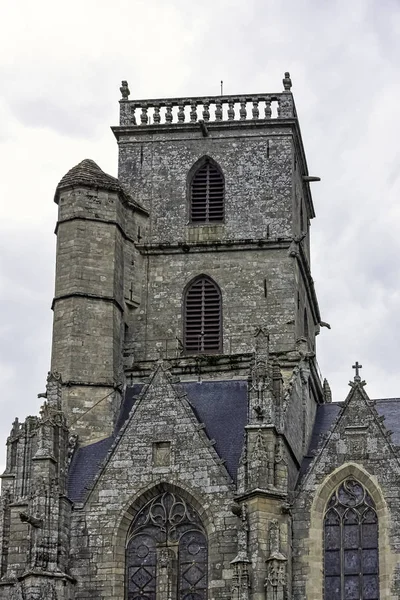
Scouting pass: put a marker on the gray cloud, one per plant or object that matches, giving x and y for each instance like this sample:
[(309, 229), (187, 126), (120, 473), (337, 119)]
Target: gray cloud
[(61, 75)]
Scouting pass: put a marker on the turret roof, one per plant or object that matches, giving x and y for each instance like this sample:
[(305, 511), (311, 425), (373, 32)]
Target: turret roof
[(88, 173)]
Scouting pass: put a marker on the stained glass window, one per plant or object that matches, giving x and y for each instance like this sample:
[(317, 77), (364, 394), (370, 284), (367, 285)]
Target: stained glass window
[(351, 561), (166, 550)]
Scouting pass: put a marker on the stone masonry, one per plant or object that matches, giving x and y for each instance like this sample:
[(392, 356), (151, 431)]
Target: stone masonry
[(159, 473)]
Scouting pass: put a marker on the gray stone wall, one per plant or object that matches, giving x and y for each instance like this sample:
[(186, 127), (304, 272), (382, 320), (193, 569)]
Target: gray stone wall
[(240, 276), (358, 446), (256, 167), (194, 470)]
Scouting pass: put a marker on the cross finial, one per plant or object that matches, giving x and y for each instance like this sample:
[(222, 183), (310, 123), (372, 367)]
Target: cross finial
[(357, 367)]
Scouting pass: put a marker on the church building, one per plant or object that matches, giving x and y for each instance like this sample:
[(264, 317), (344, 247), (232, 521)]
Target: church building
[(188, 447)]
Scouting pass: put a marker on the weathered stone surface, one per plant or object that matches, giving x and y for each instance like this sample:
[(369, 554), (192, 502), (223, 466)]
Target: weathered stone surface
[(128, 421)]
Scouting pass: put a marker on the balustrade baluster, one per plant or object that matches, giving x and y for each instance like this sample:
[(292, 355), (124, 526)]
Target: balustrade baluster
[(143, 117), (268, 110), (218, 109), (168, 113), (156, 115), (193, 111), (255, 111), (181, 113), (206, 111), (243, 111)]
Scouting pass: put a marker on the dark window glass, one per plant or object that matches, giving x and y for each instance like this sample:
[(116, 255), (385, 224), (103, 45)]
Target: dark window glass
[(207, 195), (351, 563), (166, 549), (202, 318)]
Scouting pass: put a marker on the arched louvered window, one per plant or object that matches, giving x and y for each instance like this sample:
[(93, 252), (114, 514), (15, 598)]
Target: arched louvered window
[(351, 561), (166, 550), (203, 317), (207, 194)]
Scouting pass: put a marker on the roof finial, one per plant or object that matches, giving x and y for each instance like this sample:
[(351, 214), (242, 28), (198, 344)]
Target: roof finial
[(287, 82), (124, 89), (357, 367)]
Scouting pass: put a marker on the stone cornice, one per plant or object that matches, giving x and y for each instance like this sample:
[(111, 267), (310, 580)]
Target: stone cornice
[(87, 295), (215, 246)]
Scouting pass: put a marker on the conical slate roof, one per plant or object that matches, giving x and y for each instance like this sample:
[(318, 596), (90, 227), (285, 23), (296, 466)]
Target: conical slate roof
[(88, 173)]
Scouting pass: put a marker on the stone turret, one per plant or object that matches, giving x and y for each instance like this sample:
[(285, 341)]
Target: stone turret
[(95, 228)]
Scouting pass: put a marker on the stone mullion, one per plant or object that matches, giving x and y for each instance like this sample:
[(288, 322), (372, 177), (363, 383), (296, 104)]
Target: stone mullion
[(166, 573)]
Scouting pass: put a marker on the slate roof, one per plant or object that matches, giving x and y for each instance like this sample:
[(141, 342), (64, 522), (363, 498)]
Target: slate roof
[(88, 173), (327, 414), (220, 405), (85, 466), (390, 409)]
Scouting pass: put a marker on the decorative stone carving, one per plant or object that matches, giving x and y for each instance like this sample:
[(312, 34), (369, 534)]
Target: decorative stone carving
[(276, 579), (31, 520), (17, 592), (241, 575), (72, 442), (124, 89), (260, 469), (287, 82)]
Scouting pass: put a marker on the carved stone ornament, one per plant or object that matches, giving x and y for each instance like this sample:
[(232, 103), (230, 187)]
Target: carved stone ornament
[(72, 442), (287, 82), (124, 89), (53, 376), (241, 575), (17, 592), (276, 579)]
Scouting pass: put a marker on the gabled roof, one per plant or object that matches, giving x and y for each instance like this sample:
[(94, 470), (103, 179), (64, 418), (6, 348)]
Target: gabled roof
[(327, 415), (220, 405)]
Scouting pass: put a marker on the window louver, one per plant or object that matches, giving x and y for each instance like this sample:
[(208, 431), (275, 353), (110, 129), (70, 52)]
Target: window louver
[(207, 195), (203, 317)]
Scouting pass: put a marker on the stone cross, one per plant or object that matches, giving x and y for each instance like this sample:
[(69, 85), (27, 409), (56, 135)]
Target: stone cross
[(357, 367)]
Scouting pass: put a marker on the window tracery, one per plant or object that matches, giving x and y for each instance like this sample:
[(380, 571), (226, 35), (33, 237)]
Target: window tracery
[(166, 550), (351, 561)]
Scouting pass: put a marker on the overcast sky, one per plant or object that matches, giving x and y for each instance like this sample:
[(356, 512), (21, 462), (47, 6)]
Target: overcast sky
[(60, 70)]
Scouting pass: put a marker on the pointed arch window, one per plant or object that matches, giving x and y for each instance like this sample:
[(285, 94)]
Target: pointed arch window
[(207, 191), (166, 551), (351, 560), (203, 317)]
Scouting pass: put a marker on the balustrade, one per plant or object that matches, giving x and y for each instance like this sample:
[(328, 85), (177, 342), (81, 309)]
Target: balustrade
[(178, 111)]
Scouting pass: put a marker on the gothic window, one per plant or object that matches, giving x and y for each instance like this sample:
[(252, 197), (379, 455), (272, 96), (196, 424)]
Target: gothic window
[(351, 567), (207, 194), (202, 317), (166, 551)]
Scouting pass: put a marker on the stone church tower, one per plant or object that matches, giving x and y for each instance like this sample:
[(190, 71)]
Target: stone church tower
[(187, 447)]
